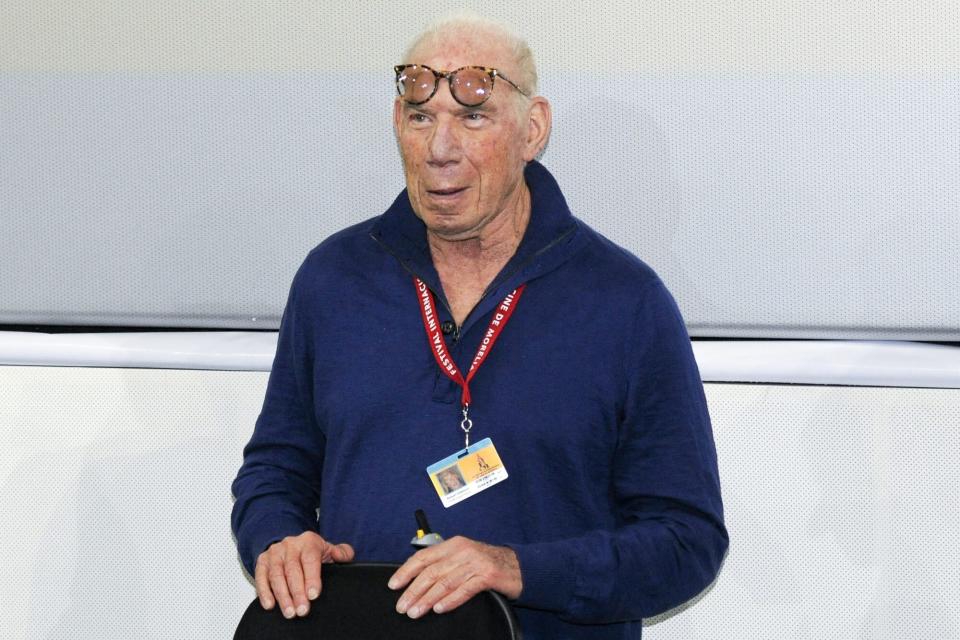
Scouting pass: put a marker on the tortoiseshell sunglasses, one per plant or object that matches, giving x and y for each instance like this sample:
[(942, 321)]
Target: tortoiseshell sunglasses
[(470, 86)]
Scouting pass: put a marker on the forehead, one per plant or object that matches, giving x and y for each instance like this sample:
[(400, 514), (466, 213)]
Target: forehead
[(448, 52)]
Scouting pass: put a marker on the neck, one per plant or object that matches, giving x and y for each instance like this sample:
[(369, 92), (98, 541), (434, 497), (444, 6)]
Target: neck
[(467, 266), (492, 245)]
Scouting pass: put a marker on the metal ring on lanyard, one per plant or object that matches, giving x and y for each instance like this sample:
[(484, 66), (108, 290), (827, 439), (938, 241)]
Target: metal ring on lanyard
[(466, 424)]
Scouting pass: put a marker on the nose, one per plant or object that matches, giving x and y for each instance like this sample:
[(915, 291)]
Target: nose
[(444, 144)]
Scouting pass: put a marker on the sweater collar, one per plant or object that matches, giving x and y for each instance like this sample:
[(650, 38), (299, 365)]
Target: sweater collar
[(549, 240)]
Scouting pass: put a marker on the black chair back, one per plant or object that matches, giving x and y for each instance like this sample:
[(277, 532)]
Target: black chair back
[(356, 604)]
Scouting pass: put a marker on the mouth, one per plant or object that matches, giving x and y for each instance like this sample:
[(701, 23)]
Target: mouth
[(450, 192)]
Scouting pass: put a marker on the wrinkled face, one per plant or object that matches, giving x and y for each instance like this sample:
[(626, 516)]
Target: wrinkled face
[(463, 165)]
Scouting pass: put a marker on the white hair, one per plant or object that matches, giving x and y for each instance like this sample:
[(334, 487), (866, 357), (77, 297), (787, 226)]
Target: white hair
[(468, 24)]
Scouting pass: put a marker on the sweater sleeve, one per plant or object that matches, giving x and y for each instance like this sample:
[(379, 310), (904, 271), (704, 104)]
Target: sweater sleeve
[(277, 486), (670, 539)]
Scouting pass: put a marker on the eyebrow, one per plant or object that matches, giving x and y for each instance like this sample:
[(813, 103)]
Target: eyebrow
[(418, 108), (486, 106), (460, 110)]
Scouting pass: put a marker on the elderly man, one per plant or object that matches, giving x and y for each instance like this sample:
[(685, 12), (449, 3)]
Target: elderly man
[(477, 323)]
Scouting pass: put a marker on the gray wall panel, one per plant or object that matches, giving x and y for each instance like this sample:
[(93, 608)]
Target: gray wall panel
[(790, 168), (773, 206), (178, 200)]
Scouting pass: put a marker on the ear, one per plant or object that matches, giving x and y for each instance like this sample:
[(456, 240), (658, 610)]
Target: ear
[(539, 122), (397, 115)]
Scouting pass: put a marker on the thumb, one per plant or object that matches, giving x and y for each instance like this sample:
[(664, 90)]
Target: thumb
[(342, 552)]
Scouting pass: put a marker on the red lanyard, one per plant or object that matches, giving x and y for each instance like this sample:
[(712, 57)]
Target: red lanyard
[(438, 346)]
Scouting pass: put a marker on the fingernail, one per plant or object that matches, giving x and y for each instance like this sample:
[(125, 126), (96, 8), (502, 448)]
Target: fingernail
[(266, 604), (313, 593), (438, 608), (302, 610), (402, 606), (414, 613), (288, 613), (392, 584)]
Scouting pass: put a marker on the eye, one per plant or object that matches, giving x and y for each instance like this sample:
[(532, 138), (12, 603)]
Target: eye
[(474, 118), (417, 118)]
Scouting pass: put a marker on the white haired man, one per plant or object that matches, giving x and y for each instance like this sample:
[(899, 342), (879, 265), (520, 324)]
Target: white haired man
[(478, 307)]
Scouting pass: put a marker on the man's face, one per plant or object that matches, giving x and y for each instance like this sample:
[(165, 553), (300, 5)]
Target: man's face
[(463, 165)]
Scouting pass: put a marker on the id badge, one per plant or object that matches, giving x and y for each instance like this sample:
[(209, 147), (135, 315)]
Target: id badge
[(467, 472)]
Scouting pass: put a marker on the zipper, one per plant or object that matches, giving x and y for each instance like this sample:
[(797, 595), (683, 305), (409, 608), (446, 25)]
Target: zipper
[(442, 299)]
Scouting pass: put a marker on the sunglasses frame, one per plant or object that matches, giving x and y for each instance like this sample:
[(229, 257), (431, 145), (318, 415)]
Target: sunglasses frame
[(438, 75)]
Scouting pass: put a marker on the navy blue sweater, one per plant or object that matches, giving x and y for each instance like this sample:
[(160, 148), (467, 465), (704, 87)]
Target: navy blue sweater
[(591, 395)]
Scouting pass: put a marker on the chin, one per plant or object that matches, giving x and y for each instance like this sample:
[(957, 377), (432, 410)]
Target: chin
[(451, 229), (446, 220)]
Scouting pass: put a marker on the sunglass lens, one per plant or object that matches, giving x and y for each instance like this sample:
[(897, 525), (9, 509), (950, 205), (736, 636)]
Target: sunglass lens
[(416, 83), (472, 86)]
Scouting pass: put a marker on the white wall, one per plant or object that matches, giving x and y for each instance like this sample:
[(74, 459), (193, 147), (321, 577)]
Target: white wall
[(842, 504)]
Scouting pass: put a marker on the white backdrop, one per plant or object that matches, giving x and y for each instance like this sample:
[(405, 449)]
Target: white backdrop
[(842, 503)]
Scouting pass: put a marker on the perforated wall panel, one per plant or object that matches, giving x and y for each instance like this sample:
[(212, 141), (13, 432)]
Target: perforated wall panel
[(791, 169)]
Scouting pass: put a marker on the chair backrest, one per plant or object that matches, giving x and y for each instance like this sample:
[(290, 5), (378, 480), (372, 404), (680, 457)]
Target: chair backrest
[(356, 604)]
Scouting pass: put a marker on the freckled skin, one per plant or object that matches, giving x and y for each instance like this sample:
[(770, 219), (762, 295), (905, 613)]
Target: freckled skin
[(479, 153), (484, 149)]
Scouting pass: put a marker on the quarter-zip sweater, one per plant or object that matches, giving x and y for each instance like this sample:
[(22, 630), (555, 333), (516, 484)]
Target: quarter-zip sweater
[(591, 396)]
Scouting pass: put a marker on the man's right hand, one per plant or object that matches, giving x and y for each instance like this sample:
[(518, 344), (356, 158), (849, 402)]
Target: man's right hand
[(288, 572)]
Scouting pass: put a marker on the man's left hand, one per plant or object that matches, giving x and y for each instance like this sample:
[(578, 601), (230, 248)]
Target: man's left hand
[(446, 575)]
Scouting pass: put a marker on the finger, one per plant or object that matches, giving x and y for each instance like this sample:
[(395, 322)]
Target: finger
[(467, 589), (416, 589), (263, 583), (278, 582), (311, 560), (407, 572), (443, 585), (293, 572), (414, 565), (342, 552)]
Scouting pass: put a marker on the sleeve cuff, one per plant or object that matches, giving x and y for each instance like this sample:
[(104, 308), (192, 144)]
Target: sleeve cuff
[(548, 576), (259, 534)]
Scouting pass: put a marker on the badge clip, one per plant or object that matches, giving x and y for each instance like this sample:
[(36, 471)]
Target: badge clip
[(466, 424)]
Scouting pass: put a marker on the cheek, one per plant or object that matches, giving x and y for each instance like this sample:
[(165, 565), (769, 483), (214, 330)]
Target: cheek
[(409, 154), (412, 147), (490, 157), (501, 170)]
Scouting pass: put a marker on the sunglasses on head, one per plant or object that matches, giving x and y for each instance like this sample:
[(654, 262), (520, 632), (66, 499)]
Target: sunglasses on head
[(470, 86)]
